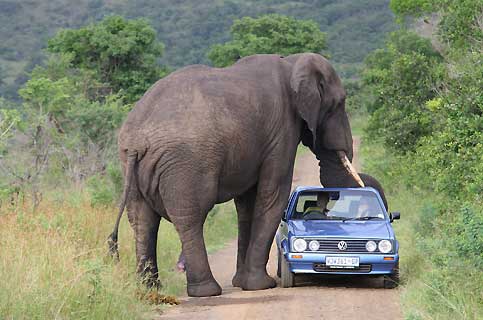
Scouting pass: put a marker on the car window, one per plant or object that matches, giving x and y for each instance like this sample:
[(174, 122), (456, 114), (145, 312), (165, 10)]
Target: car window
[(337, 205)]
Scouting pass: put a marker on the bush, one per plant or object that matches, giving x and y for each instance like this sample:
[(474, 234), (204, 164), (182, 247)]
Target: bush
[(102, 192), (402, 78)]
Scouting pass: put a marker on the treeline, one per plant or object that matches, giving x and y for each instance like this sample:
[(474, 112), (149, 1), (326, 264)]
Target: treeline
[(425, 100), (187, 28)]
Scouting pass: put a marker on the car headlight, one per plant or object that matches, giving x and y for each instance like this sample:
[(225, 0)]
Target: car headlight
[(299, 245), (314, 245), (371, 246), (385, 246)]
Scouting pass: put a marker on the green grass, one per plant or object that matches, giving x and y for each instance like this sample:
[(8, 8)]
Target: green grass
[(54, 264), (358, 121), (436, 281)]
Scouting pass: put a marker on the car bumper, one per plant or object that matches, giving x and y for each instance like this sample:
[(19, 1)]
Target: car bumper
[(370, 264)]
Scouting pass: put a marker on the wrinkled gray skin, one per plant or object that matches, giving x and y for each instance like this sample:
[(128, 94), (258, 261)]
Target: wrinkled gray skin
[(369, 181), (203, 135)]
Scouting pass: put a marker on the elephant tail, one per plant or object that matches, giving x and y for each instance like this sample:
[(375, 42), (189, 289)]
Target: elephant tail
[(112, 239)]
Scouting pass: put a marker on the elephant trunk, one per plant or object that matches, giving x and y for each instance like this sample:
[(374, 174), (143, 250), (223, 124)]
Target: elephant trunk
[(336, 170)]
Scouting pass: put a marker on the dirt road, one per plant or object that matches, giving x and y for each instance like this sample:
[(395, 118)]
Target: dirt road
[(313, 298)]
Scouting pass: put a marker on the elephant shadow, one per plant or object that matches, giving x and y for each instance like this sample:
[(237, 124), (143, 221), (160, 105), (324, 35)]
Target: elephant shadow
[(227, 300)]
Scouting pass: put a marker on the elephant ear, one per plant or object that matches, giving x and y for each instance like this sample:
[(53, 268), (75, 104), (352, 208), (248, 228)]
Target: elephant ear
[(317, 89), (305, 82)]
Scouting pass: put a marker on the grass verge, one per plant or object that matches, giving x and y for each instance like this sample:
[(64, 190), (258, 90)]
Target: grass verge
[(54, 264)]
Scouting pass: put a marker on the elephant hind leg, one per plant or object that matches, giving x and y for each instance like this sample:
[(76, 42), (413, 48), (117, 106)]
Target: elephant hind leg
[(245, 205), (187, 205), (145, 223), (189, 225)]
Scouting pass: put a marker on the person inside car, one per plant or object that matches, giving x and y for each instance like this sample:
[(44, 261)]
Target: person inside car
[(364, 207), (319, 209), (367, 208)]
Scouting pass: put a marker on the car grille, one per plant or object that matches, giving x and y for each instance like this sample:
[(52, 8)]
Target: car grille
[(321, 267), (330, 245)]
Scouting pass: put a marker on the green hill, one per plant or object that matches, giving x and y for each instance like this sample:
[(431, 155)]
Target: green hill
[(186, 27)]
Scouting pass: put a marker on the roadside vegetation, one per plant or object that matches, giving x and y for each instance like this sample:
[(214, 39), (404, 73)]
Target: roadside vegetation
[(424, 140), (54, 262)]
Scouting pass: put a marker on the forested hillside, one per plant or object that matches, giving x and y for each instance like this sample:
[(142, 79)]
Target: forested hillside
[(187, 28)]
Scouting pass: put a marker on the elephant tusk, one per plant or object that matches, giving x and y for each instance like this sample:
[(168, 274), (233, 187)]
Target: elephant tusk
[(348, 165)]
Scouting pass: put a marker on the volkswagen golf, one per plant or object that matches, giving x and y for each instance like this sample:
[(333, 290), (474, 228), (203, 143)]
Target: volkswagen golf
[(343, 231)]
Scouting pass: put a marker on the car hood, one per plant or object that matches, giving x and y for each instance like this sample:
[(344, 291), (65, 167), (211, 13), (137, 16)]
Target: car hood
[(348, 229)]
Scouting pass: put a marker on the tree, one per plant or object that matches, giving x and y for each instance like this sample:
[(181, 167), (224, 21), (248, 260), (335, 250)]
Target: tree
[(64, 130), (122, 54), (272, 33), (402, 78), (9, 118)]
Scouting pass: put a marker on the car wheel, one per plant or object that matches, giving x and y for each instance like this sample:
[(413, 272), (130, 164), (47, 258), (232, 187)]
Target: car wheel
[(287, 277), (279, 262), (392, 281)]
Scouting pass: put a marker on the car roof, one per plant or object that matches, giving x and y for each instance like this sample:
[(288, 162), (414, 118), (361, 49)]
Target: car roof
[(320, 188)]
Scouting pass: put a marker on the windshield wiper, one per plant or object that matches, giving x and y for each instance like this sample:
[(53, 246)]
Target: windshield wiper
[(361, 218)]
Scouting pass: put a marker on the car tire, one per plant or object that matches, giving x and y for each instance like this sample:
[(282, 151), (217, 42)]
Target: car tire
[(392, 281), (287, 277), (279, 261)]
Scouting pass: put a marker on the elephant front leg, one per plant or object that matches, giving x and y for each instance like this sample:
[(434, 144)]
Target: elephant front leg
[(145, 223), (244, 206), (268, 211)]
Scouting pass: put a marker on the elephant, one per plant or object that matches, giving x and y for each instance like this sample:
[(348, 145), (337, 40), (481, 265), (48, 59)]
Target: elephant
[(205, 135)]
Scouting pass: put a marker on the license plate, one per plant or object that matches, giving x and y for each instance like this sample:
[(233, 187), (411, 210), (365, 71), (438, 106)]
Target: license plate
[(342, 262)]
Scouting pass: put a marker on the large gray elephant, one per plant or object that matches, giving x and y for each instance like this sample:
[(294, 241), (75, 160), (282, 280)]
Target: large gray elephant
[(203, 135)]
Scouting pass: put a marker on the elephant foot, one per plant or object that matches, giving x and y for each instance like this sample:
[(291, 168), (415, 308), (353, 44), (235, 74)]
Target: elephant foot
[(151, 283), (204, 289), (258, 281), (237, 279), (149, 276)]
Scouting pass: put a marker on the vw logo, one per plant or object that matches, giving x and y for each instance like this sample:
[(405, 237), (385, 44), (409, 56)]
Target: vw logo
[(342, 245)]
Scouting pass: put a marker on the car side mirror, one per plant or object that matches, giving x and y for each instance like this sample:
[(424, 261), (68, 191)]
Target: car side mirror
[(394, 216)]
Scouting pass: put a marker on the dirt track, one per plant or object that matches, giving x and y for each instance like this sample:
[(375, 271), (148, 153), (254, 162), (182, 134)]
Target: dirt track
[(313, 298)]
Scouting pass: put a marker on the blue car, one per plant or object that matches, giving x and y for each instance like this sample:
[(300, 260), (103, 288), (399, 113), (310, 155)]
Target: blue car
[(343, 231)]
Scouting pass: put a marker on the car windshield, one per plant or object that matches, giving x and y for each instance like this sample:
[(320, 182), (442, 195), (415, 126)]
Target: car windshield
[(338, 205)]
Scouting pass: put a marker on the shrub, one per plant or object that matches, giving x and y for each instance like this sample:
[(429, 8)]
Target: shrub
[(101, 191)]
